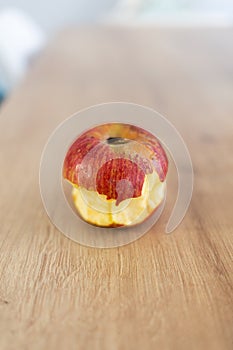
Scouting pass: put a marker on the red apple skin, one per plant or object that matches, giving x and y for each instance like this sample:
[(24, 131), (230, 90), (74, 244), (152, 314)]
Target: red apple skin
[(116, 170), (123, 177), (78, 150)]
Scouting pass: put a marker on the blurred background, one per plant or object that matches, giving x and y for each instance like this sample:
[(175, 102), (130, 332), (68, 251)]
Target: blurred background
[(26, 26)]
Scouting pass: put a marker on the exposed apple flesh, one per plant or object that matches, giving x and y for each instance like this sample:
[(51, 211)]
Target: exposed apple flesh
[(113, 165), (95, 209)]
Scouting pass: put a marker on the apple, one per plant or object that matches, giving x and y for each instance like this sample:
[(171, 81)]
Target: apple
[(118, 173)]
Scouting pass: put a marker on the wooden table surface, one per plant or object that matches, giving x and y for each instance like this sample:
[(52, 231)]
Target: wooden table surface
[(162, 291)]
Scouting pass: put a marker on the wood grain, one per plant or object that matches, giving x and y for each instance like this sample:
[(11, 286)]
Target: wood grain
[(162, 291)]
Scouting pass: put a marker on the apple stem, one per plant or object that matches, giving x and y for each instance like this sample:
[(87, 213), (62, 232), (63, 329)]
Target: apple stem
[(117, 140)]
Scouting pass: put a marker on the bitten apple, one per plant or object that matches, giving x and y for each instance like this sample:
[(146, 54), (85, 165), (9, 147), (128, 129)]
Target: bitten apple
[(118, 173)]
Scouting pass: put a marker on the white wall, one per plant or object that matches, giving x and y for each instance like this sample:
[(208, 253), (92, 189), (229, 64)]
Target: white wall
[(174, 12), (53, 14)]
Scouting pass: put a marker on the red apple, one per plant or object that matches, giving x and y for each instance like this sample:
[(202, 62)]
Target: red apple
[(116, 169)]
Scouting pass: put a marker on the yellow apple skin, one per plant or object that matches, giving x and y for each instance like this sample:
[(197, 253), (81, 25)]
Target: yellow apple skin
[(95, 165)]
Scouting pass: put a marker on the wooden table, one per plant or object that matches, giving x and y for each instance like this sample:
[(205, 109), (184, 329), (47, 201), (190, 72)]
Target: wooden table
[(162, 291)]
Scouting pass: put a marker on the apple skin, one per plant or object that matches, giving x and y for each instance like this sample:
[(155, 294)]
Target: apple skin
[(123, 177), (113, 162)]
